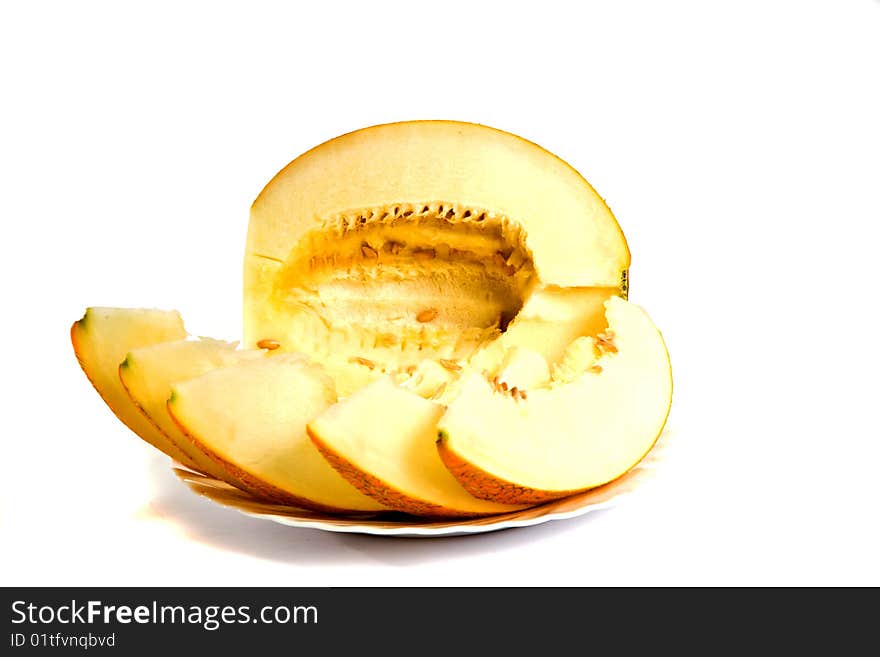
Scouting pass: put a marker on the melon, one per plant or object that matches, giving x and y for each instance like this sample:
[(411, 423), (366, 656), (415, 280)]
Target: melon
[(101, 340)]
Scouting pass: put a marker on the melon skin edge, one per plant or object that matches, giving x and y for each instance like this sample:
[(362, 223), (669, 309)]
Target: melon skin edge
[(375, 488), (185, 460), (487, 486), (259, 489), (477, 477), (147, 432)]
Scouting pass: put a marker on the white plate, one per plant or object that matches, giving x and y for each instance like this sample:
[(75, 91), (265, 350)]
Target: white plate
[(400, 524)]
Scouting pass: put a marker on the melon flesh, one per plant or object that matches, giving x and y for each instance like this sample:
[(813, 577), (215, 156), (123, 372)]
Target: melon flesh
[(382, 439), (148, 373), (424, 240), (550, 320), (250, 418), (568, 436), (101, 340)]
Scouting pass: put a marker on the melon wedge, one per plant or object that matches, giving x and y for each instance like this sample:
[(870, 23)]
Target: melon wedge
[(147, 374), (250, 418), (568, 436), (101, 340), (382, 440)]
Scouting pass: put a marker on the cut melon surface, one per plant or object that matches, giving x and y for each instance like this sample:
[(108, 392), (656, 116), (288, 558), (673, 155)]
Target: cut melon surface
[(382, 440), (250, 418), (147, 374), (101, 340), (425, 240), (570, 436)]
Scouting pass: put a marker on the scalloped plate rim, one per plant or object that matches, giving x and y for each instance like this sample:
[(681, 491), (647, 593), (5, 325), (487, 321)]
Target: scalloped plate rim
[(626, 484), (432, 532)]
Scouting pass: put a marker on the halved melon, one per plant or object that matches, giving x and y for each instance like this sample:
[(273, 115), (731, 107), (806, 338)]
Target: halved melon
[(251, 417), (147, 374), (101, 340), (382, 440), (573, 434), (423, 240)]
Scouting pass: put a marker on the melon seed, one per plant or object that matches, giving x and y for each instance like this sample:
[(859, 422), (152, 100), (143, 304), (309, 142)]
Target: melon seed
[(427, 315), (605, 342)]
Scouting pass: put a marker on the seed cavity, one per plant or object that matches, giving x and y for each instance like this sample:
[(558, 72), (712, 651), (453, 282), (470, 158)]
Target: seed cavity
[(427, 315), (369, 252), (268, 344)]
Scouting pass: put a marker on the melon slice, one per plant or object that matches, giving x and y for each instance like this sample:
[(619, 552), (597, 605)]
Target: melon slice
[(250, 418), (424, 240), (101, 340), (147, 374), (571, 435), (382, 440)]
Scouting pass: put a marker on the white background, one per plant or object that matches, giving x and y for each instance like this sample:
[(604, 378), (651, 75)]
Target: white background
[(738, 143)]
